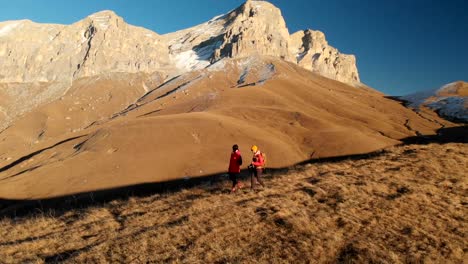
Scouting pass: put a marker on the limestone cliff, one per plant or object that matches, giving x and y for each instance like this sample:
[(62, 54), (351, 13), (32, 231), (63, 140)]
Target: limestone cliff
[(311, 51), (257, 27), (98, 44)]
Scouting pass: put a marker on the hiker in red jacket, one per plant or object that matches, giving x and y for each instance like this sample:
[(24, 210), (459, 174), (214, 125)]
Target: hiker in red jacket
[(256, 167), (234, 168)]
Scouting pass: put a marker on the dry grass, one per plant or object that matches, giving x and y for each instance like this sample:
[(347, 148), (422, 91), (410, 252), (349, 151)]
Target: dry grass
[(408, 205)]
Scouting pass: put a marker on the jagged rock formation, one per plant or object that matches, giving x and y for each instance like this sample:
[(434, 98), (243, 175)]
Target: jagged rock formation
[(98, 44), (256, 27), (312, 52)]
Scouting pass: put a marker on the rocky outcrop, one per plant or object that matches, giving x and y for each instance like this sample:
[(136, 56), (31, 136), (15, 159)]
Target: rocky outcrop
[(311, 51), (257, 27), (98, 44)]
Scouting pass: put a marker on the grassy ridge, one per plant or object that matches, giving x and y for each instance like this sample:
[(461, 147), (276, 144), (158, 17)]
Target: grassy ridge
[(408, 205)]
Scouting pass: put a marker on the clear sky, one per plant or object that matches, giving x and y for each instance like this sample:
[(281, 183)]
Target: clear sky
[(401, 46)]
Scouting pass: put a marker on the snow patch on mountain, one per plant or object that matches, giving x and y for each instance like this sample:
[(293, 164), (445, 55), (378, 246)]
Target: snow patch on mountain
[(450, 88), (417, 99), (217, 66), (451, 107), (193, 48), (5, 30), (443, 100)]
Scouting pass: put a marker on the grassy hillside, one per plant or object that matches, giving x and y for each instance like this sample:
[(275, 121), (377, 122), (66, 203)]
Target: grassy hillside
[(405, 205), (185, 127)]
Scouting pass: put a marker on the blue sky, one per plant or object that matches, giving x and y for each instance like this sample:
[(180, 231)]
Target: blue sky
[(401, 46)]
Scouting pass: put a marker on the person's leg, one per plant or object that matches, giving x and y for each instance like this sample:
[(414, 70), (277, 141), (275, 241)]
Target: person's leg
[(232, 177), (234, 180), (252, 177), (239, 184), (259, 176)]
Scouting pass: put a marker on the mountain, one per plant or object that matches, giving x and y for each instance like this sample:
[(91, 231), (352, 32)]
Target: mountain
[(100, 104), (98, 44), (43, 60), (449, 101), (103, 43)]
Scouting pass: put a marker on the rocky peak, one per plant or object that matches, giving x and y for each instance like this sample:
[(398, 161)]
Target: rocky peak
[(256, 27), (311, 51), (105, 19), (252, 8), (104, 13)]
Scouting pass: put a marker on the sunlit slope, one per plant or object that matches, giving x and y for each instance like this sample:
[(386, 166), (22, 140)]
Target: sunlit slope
[(186, 126)]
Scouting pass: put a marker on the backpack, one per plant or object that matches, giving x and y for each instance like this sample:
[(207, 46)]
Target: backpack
[(264, 161)]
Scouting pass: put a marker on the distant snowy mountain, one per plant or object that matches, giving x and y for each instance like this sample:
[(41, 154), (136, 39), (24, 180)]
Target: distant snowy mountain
[(449, 101)]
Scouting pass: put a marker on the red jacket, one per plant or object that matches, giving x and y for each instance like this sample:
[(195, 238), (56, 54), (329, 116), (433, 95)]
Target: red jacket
[(259, 157), (235, 162)]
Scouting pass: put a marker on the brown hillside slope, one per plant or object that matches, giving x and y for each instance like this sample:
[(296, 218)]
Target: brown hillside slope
[(185, 128), (408, 205)]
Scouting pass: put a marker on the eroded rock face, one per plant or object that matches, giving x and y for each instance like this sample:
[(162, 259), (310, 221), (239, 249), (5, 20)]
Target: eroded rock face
[(98, 44), (311, 51), (256, 27), (26, 50)]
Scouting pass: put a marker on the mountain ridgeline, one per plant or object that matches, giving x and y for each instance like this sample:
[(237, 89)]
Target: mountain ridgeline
[(103, 43), (41, 61)]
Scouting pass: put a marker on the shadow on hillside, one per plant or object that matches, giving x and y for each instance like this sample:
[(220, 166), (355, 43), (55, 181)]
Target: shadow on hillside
[(407, 104), (457, 134), (214, 183), (399, 99), (59, 205)]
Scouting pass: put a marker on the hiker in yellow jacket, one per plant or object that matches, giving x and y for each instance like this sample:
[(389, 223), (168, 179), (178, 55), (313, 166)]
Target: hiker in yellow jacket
[(256, 167)]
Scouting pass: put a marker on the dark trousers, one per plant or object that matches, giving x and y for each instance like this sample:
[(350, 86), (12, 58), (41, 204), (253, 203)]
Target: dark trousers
[(257, 174), (233, 177)]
